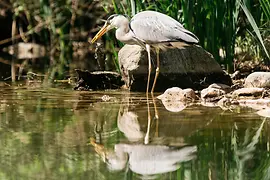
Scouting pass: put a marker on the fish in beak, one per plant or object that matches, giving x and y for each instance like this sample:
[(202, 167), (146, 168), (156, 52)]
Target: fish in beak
[(101, 32)]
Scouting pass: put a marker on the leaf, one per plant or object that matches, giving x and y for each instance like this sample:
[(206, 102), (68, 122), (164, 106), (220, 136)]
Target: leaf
[(265, 4), (254, 25)]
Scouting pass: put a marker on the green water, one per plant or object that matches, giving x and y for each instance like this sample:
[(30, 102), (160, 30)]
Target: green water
[(45, 134)]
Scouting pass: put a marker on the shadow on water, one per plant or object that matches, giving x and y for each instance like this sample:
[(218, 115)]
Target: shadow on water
[(61, 134)]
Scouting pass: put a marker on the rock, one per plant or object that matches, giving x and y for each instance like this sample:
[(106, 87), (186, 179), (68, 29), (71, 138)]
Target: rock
[(175, 106), (215, 92), (175, 99), (237, 84), (98, 80), (191, 67), (212, 94), (189, 94), (171, 94), (224, 87), (248, 92), (264, 113), (177, 94), (236, 75), (26, 50), (227, 103), (258, 79), (257, 104), (209, 104)]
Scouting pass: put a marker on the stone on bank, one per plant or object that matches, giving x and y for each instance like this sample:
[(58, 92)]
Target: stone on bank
[(190, 67), (258, 79)]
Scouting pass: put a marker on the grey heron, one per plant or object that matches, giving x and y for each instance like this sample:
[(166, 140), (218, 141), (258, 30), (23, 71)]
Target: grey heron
[(149, 29), (146, 160)]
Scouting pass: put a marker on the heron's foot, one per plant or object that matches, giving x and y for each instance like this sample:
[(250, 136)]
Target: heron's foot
[(96, 145), (146, 139), (156, 118), (99, 148)]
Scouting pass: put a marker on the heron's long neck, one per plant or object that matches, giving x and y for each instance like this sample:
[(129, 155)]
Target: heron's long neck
[(123, 33)]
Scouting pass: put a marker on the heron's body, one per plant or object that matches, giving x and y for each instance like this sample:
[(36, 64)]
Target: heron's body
[(161, 30), (149, 29)]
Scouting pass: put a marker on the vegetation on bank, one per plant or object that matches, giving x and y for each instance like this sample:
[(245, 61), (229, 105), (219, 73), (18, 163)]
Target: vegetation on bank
[(225, 28), (222, 26)]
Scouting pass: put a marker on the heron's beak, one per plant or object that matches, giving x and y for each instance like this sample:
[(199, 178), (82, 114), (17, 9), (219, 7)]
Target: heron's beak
[(102, 31)]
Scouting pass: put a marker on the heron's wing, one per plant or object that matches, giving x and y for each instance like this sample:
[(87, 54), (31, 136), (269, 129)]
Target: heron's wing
[(153, 27)]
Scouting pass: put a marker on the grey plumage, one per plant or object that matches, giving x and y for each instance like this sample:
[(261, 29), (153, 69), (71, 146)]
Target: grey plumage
[(153, 27)]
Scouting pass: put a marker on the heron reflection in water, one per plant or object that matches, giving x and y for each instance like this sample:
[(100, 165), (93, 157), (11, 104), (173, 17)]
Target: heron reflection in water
[(147, 160), (162, 155), (149, 29)]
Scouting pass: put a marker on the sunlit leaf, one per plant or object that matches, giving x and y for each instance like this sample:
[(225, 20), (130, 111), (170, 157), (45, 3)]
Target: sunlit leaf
[(254, 25)]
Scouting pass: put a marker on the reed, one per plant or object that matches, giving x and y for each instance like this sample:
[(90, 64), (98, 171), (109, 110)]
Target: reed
[(216, 23), (56, 24)]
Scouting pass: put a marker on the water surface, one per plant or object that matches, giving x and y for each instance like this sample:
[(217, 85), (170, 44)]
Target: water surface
[(58, 133)]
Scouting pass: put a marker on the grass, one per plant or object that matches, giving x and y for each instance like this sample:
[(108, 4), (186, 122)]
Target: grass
[(55, 24), (216, 23)]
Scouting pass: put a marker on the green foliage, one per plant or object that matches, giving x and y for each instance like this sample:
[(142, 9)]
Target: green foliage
[(51, 22), (216, 23), (57, 25), (254, 25), (265, 4)]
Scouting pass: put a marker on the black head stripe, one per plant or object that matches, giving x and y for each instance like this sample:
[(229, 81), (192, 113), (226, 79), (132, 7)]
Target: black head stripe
[(111, 17), (115, 15)]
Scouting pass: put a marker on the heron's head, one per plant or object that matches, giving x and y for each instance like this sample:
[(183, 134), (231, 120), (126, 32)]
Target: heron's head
[(114, 21)]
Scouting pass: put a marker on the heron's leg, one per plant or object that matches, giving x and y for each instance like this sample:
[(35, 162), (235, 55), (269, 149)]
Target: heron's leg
[(156, 114), (146, 138), (148, 49), (154, 84), (157, 71)]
